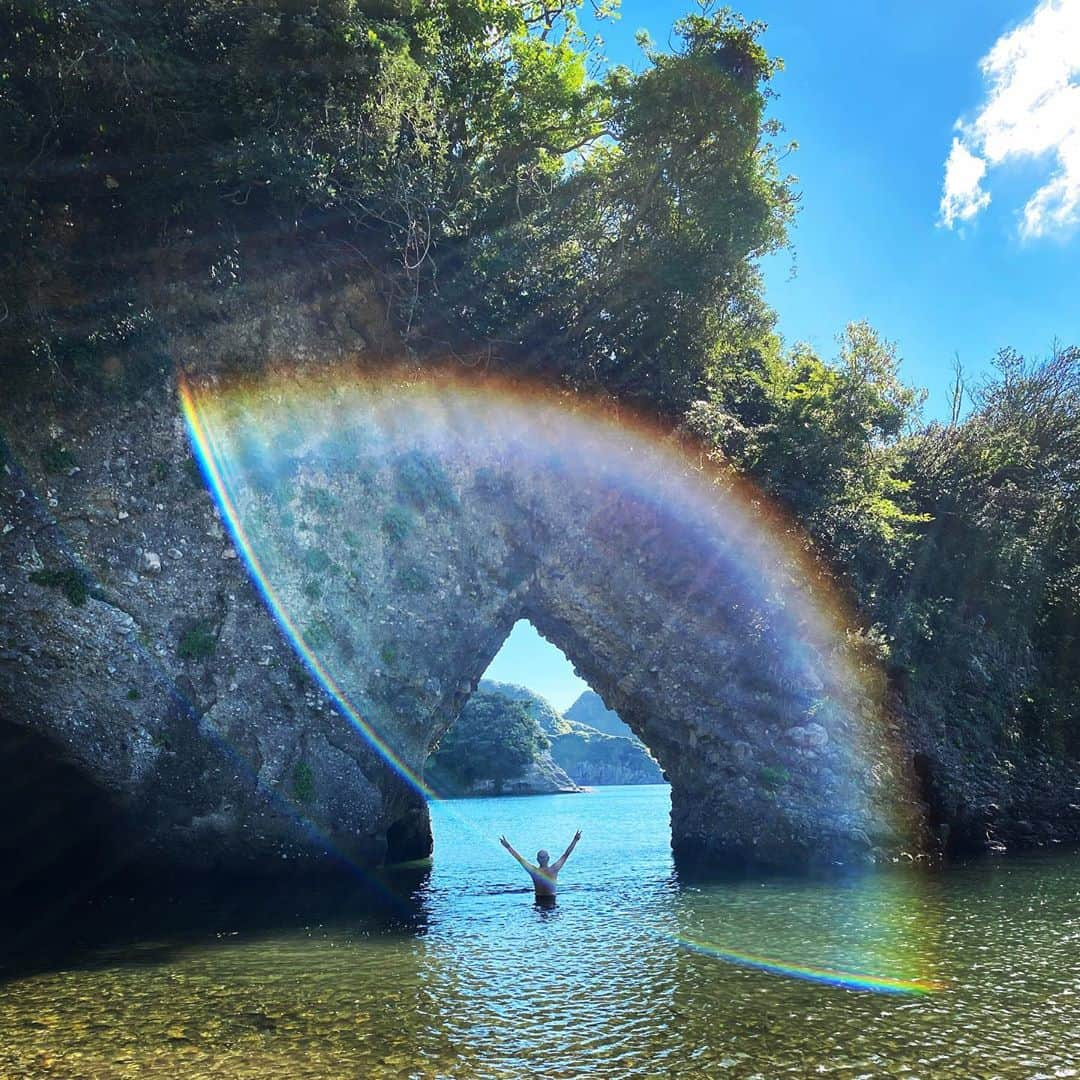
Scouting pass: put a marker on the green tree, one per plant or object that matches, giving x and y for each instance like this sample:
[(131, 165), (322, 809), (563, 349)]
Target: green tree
[(186, 137), (639, 262), (824, 438), (467, 154), (990, 608), (495, 738)]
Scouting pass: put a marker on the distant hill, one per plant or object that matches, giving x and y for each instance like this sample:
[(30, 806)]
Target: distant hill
[(592, 758), (550, 720), (590, 755), (590, 709)]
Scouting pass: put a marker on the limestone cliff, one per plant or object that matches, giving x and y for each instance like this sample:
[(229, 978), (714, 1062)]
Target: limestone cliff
[(135, 644), (139, 654)]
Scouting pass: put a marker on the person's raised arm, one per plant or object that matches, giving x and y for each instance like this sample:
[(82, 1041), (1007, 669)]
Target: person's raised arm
[(558, 864), (510, 847)]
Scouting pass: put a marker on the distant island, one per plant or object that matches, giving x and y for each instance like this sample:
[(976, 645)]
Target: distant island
[(509, 740)]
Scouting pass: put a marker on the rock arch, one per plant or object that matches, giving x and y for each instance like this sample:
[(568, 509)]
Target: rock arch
[(396, 532), (443, 518)]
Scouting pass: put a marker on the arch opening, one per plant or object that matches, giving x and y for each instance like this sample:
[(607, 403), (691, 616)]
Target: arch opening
[(535, 726)]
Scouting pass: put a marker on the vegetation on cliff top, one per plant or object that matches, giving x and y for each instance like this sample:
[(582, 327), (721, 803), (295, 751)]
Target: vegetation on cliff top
[(960, 541), (601, 225)]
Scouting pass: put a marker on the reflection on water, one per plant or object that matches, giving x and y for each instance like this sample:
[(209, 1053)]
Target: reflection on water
[(630, 975)]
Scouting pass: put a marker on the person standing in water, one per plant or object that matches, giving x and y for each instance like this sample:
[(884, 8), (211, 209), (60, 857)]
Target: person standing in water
[(544, 875)]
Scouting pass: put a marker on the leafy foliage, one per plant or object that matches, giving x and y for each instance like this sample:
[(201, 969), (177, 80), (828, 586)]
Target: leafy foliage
[(822, 438), (414, 578), (180, 134), (773, 777), (71, 581), (198, 642), (593, 757), (303, 783), (397, 523), (961, 542), (639, 264), (422, 481), (601, 229), (56, 458), (494, 738), (318, 634), (991, 604)]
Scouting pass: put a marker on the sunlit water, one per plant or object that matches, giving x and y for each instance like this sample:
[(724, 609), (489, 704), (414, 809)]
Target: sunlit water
[(631, 975)]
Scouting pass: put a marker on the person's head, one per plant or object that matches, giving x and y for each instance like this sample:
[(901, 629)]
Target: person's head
[(542, 857)]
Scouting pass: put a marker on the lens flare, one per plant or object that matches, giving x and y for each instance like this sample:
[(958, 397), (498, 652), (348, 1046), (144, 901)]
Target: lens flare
[(295, 457), (874, 931), (845, 980), (223, 479), (300, 462)]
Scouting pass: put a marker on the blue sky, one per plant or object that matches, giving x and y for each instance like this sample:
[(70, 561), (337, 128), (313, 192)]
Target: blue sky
[(527, 659), (872, 92)]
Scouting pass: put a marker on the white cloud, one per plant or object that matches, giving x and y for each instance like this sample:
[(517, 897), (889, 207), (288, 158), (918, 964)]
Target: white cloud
[(1032, 110), (963, 195)]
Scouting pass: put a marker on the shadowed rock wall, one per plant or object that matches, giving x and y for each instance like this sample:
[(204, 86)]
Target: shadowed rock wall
[(167, 684)]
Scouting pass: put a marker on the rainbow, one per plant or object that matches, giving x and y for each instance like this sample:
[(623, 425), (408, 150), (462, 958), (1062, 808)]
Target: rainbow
[(253, 435), (845, 980), (222, 479)]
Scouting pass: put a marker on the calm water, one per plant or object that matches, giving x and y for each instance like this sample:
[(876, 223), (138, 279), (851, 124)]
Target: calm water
[(631, 975)]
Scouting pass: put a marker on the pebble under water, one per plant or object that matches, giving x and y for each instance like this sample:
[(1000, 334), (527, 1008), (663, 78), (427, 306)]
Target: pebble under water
[(633, 974)]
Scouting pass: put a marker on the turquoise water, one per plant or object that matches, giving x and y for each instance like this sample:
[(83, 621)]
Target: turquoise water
[(633, 974)]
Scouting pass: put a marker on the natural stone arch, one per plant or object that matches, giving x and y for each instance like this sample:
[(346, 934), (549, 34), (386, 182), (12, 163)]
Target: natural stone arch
[(449, 526), (398, 531), (725, 715)]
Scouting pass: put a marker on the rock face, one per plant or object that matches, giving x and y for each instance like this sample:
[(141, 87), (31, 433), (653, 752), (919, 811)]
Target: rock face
[(594, 759), (162, 681), (264, 713), (540, 777), (543, 777)]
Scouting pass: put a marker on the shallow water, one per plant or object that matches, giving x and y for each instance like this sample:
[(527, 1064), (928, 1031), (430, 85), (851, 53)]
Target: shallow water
[(632, 974)]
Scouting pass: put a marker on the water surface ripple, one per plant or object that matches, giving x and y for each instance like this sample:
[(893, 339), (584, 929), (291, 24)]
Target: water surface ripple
[(623, 978)]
